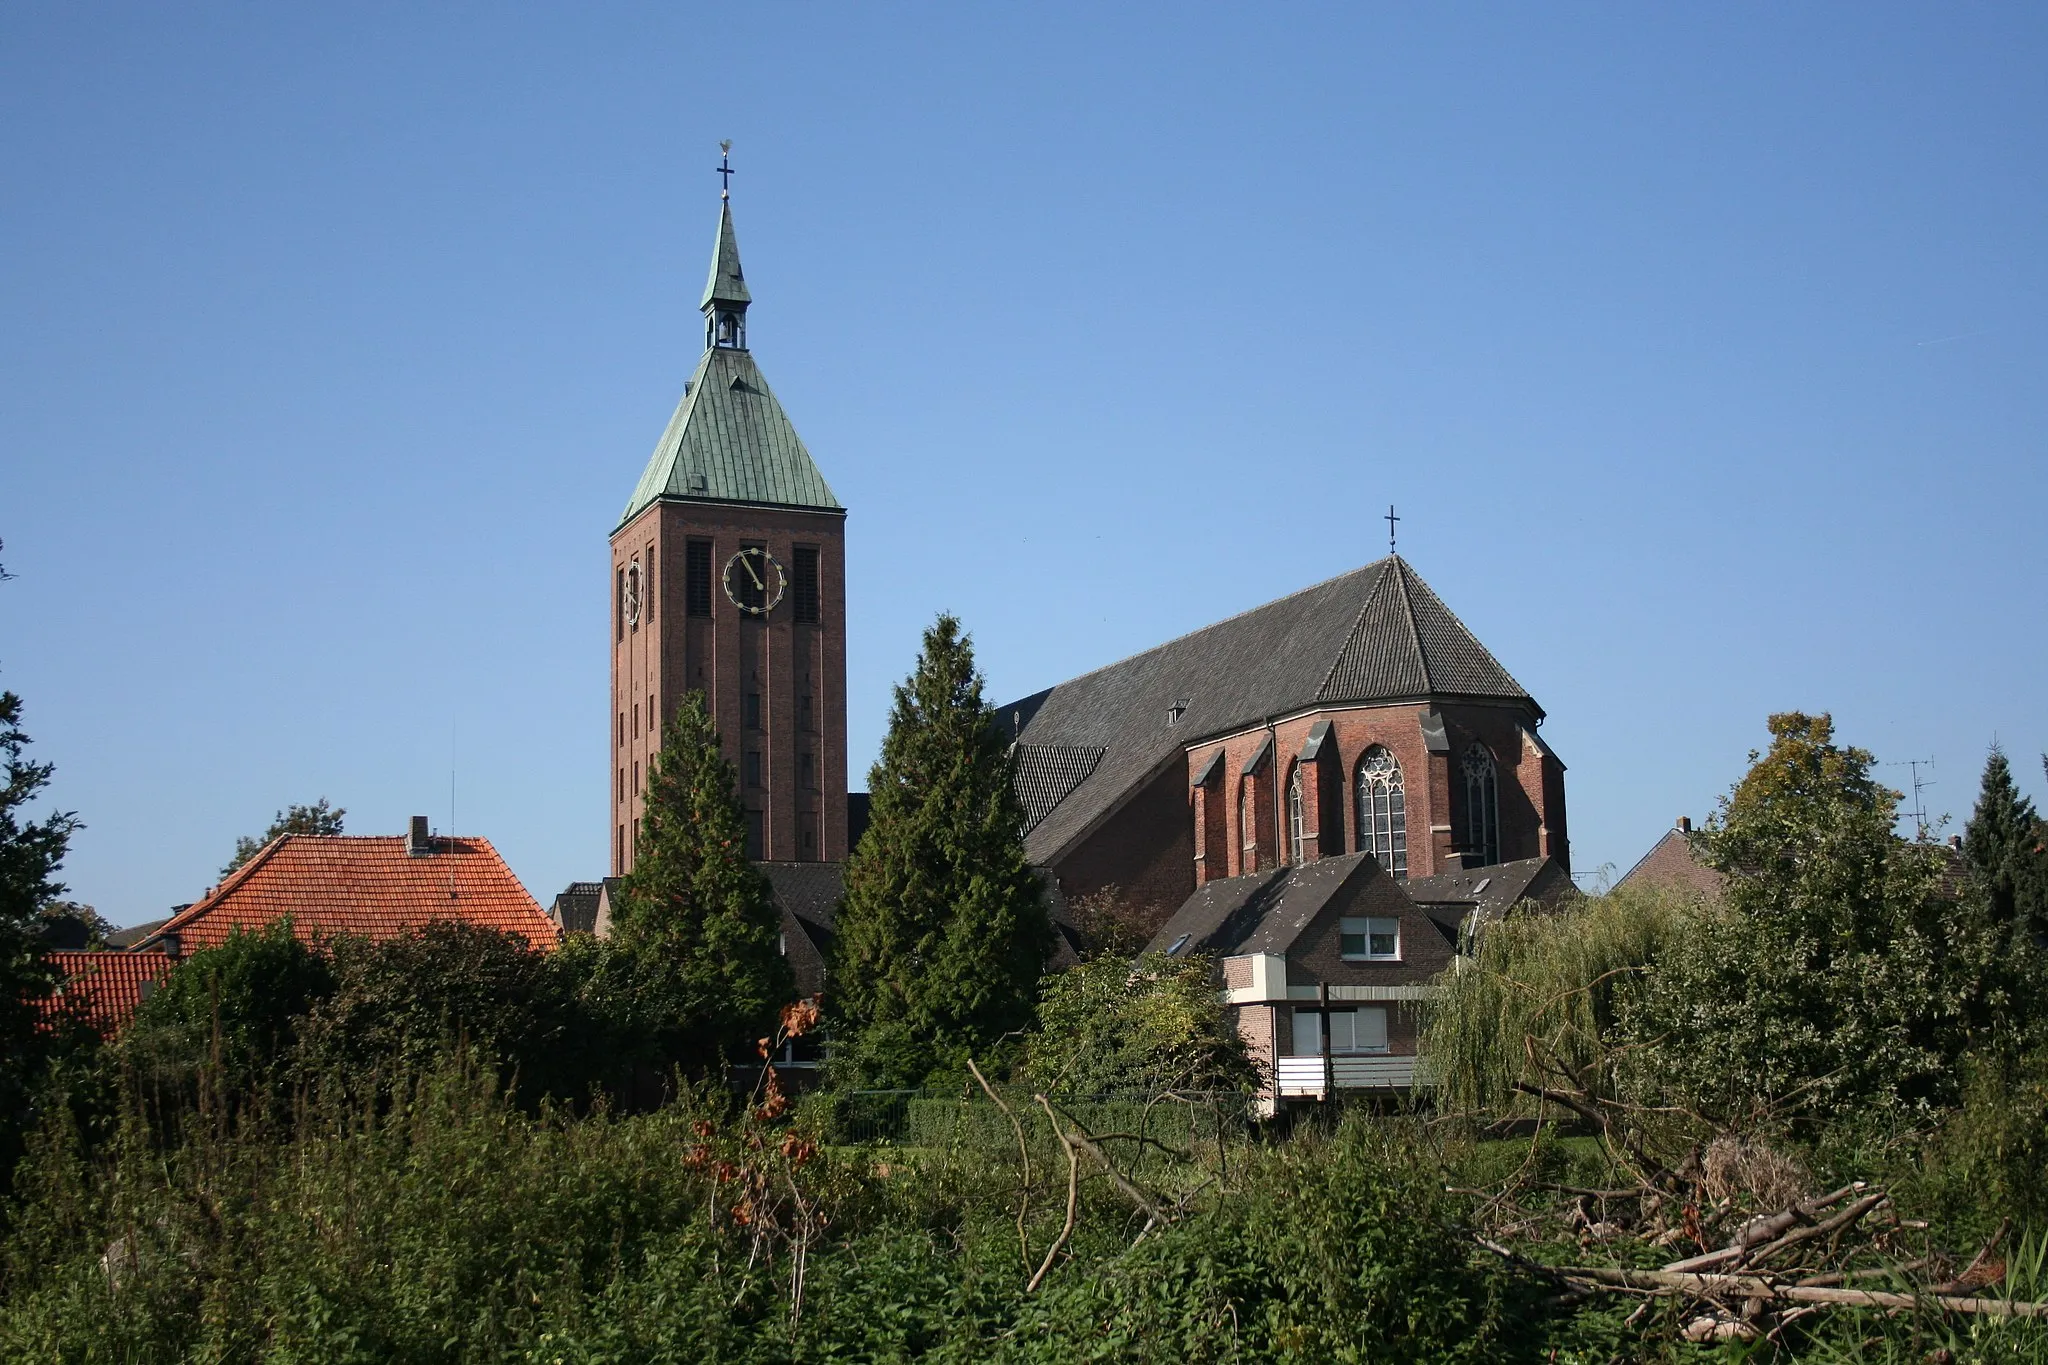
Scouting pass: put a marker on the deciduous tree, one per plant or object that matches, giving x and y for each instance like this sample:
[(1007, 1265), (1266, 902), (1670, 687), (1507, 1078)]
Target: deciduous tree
[(1838, 975)]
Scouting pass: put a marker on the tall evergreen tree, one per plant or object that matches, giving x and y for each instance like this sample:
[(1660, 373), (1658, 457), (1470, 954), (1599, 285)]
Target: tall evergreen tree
[(693, 904), (30, 853), (943, 933), (2003, 845)]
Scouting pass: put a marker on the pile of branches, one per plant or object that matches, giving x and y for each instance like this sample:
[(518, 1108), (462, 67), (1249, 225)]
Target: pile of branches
[(1753, 1275)]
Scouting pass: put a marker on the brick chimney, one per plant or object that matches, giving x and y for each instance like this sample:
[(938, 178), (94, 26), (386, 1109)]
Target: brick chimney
[(1685, 824), (418, 842)]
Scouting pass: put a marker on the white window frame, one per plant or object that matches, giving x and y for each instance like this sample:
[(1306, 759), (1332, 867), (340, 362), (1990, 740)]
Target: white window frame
[(1369, 927), (1345, 1032)]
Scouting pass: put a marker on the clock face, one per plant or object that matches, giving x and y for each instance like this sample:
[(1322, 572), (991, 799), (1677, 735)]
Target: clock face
[(632, 603), (754, 580)]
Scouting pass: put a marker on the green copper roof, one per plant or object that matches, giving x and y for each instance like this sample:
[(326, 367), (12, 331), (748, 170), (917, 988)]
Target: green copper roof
[(725, 284), (731, 441)]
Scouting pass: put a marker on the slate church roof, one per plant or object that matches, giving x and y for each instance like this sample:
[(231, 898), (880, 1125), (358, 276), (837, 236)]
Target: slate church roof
[(730, 440), (1376, 634)]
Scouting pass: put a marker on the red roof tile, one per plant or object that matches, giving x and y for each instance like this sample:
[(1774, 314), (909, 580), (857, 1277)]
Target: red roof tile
[(341, 884), (106, 986)]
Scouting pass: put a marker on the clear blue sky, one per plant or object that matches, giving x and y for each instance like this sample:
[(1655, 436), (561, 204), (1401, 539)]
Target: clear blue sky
[(1702, 348)]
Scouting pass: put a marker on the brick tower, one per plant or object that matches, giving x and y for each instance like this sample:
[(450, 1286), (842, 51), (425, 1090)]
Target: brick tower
[(728, 577)]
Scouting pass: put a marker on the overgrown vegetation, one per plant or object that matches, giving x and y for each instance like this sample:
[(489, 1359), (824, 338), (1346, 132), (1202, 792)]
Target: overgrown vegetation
[(1808, 1120)]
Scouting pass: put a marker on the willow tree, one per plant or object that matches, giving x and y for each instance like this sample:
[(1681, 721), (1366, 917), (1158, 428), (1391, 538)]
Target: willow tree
[(942, 933)]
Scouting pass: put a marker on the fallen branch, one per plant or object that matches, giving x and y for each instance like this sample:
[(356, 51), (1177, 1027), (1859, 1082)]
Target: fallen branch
[(1832, 1226), (1073, 1194), (1764, 1289), (1087, 1144), (1023, 1154), (1761, 1229)]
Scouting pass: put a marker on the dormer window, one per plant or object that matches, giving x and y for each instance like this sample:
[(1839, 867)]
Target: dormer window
[(1178, 709)]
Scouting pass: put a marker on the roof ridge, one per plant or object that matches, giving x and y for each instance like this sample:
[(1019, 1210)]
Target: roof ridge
[(1459, 622), (1414, 631), (1357, 624), (1213, 625)]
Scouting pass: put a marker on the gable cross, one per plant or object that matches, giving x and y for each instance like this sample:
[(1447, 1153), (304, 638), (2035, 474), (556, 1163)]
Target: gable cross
[(725, 170), (1390, 520)]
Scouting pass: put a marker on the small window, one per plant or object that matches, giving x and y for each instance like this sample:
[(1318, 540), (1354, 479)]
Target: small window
[(804, 590), (619, 605), (622, 729), (803, 712), (757, 838), (636, 718), (697, 578), (622, 784), (1370, 940), (754, 768), (753, 710), (806, 771), (636, 779)]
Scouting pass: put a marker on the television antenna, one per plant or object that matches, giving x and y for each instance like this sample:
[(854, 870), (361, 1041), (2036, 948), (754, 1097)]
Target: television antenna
[(1921, 829)]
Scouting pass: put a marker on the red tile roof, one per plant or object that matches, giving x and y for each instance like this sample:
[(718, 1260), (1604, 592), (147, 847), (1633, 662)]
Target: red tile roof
[(104, 986), (342, 884)]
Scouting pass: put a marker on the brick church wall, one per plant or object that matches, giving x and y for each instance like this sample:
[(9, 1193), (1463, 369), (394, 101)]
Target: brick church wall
[(1146, 850)]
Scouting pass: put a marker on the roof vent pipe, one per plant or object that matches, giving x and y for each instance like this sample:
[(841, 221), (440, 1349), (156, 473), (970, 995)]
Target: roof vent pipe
[(418, 842)]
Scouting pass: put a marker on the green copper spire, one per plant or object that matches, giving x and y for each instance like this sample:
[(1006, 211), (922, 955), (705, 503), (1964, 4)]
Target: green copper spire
[(726, 284), (729, 440)]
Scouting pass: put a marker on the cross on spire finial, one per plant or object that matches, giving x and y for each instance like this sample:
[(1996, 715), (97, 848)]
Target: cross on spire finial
[(1390, 520), (725, 169)]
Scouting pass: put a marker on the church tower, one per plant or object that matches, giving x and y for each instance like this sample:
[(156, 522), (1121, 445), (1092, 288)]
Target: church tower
[(728, 577)]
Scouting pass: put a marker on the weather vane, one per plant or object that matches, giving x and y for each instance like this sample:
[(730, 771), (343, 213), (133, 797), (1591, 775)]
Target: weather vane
[(1390, 520), (725, 169)]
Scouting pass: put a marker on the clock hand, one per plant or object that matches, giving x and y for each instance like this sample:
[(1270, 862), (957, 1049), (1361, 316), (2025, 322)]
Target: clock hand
[(749, 563)]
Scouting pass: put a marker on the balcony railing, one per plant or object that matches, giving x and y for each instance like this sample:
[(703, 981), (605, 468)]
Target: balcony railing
[(1297, 1076)]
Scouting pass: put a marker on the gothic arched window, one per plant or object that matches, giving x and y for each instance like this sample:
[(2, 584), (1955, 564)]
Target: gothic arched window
[(1482, 808), (1247, 828), (1383, 810), (1296, 803)]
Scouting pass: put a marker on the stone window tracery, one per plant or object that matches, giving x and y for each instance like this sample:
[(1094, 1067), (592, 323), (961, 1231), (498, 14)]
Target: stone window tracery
[(1383, 810), (1482, 808)]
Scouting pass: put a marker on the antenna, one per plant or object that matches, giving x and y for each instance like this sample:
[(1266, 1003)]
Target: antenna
[(451, 808), (1921, 828)]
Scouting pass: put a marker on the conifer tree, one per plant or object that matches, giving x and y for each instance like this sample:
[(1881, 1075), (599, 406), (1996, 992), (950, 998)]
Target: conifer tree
[(2004, 847), (693, 904), (943, 933)]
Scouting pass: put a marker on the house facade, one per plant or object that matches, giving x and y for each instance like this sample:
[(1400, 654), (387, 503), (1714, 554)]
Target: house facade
[(1325, 964)]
